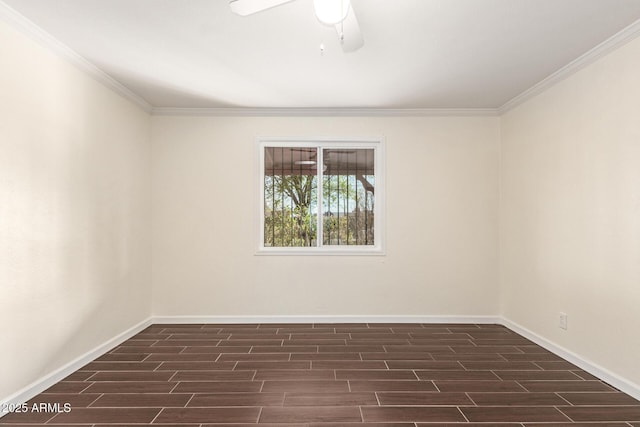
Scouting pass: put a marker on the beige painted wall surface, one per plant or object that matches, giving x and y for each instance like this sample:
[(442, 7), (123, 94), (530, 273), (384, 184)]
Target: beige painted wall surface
[(441, 222), (74, 209), (570, 213)]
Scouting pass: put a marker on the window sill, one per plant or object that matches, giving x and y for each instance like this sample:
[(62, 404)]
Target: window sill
[(352, 251)]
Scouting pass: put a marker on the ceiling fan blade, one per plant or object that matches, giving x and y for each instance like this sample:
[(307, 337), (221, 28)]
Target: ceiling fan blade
[(249, 7), (349, 32)]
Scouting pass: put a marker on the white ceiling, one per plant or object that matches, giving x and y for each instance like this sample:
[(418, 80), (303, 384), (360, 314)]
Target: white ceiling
[(431, 54)]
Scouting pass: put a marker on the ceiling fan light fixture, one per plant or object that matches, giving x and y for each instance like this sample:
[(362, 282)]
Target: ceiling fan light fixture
[(331, 12)]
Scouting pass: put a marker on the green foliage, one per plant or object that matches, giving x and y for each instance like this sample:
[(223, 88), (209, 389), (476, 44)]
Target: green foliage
[(291, 211)]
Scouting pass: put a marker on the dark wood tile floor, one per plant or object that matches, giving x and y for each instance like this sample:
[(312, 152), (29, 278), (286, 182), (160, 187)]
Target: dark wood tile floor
[(332, 375)]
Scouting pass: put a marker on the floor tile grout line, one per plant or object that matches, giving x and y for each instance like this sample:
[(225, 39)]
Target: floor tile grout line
[(566, 415), (462, 413), (190, 399), (95, 400), (157, 415)]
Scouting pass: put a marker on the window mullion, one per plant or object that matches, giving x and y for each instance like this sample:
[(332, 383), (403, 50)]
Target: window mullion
[(320, 192)]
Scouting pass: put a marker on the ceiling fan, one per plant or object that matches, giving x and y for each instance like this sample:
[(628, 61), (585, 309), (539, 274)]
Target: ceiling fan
[(336, 13)]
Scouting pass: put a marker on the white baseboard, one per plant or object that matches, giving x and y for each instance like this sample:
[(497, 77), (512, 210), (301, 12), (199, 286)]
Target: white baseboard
[(325, 319), (605, 375), (56, 376)]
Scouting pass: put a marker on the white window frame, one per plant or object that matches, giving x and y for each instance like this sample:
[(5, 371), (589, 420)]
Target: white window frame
[(376, 143)]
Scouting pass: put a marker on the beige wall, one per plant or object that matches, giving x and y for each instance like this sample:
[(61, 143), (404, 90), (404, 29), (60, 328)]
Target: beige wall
[(570, 213), (441, 222), (74, 211)]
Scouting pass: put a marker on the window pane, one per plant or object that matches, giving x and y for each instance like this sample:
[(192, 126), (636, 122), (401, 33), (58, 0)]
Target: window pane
[(348, 191), (290, 196)]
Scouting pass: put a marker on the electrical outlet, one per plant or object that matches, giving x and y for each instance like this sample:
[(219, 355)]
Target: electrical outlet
[(563, 318)]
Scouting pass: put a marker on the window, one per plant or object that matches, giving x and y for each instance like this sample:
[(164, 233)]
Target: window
[(321, 196)]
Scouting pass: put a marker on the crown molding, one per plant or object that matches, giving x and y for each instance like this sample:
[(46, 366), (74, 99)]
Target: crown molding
[(34, 32), (323, 112), (612, 43)]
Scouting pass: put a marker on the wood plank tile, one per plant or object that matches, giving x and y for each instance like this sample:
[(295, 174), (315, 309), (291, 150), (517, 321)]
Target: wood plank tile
[(533, 349), (29, 417), (350, 348), (319, 336), (383, 337), (348, 364), (413, 355), (190, 342), (295, 374), (575, 424), (532, 357), (424, 364), (154, 349), (217, 387), (76, 400), (131, 387), (181, 357), (306, 386), (513, 414), (516, 399), (120, 366), (559, 386), (131, 376), (195, 366), (287, 349), (325, 356), (469, 356), (267, 365), (213, 375), (422, 399), (412, 413), (142, 400), (123, 357), (253, 341), (538, 375), (483, 425), (501, 366), (316, 341), (330, 399), (387, 385), (295, 414), (440, 341), (479, 386), (252, 425), (208, 415), (107, 416), (419, 348), (237, 399), (234, 357), (456, 375), (557, 365), (364, 374), (602, 413), (502, 349), (613, 398), (378, 342), (79, 376), (363, 424), (216, 350)]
